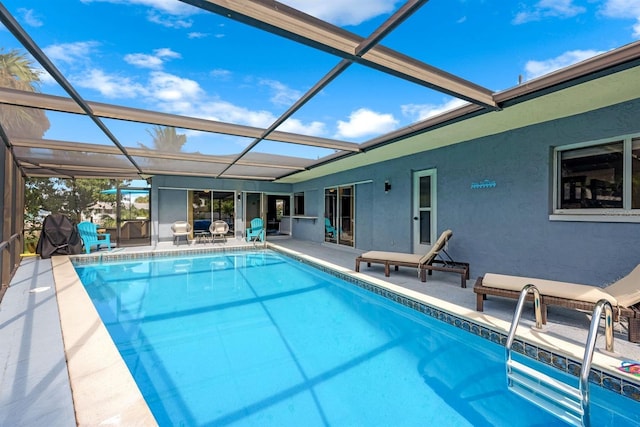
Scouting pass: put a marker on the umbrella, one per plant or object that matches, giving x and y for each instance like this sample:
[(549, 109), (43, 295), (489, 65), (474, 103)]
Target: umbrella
[(125, 191)]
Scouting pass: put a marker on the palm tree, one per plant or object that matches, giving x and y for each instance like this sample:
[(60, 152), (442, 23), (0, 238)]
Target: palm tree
[(166, 139), (17, 72)]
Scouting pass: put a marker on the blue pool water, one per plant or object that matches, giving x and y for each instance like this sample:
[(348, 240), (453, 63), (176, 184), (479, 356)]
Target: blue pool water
[(258, 339)]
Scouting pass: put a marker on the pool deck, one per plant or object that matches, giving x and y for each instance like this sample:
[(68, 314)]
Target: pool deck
[(36, 386)]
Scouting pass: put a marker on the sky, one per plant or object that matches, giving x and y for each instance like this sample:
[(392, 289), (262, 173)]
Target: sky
[(168, 56)]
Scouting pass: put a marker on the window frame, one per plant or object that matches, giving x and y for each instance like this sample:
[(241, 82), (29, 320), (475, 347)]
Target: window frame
[(624, 214)]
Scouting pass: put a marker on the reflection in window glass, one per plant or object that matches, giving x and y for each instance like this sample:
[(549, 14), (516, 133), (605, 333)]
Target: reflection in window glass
[(330, 215), (425, 191), (339, 223), (635, 173), (346, 216), (592, 177), (298, 204)]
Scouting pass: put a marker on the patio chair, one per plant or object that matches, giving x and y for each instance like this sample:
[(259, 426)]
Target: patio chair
[(90, 237), (256, 231), (624, 295), (436, 259), (329, 230), (219, 229), (180, 229)]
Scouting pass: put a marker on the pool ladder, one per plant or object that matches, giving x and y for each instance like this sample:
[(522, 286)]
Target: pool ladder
[(565, 401)]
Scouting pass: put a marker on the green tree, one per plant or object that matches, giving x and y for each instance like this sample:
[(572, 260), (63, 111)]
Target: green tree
[(71, 197), (17, 72), (166, 138)]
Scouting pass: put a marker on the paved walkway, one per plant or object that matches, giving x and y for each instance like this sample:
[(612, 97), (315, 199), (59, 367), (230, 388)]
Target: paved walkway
[(34, 386)]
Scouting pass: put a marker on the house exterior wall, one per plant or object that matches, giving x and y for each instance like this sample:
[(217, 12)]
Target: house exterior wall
[(169, 198), (504, 229)]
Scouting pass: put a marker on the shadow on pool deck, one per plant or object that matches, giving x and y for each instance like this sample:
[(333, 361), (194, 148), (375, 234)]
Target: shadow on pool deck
[(35, 386)]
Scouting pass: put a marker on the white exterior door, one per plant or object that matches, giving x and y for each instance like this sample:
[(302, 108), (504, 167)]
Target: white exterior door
[(424, 210)]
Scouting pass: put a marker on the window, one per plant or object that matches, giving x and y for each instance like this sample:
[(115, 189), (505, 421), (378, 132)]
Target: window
[(598, 178), (298, 203)]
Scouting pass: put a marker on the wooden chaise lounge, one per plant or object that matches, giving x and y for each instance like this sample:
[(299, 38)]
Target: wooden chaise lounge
[(436, 259), (624, 295)]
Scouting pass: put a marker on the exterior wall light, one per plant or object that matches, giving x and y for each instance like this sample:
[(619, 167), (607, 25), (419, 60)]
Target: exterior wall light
[(387, 186)]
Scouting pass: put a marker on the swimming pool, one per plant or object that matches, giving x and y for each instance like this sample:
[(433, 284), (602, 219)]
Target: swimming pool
[(259, 339)]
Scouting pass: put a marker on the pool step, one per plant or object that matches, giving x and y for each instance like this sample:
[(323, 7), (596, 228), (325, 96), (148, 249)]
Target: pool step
[(550, 394)]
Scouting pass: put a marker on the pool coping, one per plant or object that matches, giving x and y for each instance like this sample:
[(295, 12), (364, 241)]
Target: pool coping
[(93, 358), (103, 390)]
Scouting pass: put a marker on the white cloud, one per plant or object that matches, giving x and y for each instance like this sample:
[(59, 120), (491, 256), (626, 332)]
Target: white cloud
[(45, 77), (183, 96), (227, 112), (341, 12), (625, 9), (220, 74), (29, 17), (314, 128), (110, 86), (621, 8), (70, 52), (168, 13), (171, 7), (549, 9), (144, 61), (363, 122), (535, 69), (166, 52), (154, 62), (171, 93), (168, 21), (161, 87), (282, 94), (418, 112), (171, 88), (197, 35)]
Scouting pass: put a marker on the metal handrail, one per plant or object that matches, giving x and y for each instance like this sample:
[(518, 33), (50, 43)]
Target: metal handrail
[(590, 347), (8, 242), (516, 317)]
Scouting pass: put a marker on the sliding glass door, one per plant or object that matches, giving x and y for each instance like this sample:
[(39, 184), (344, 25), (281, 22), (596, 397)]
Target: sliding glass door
[(208, 206), (339, 203)]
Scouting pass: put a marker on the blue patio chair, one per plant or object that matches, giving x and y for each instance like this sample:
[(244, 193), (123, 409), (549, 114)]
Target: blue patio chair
[(330, 229), (256, 231), (90, 237)]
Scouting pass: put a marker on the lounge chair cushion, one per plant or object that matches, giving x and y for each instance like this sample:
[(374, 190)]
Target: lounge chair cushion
[(393, 256), (436, 247), (554, 288), (627, 289)]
